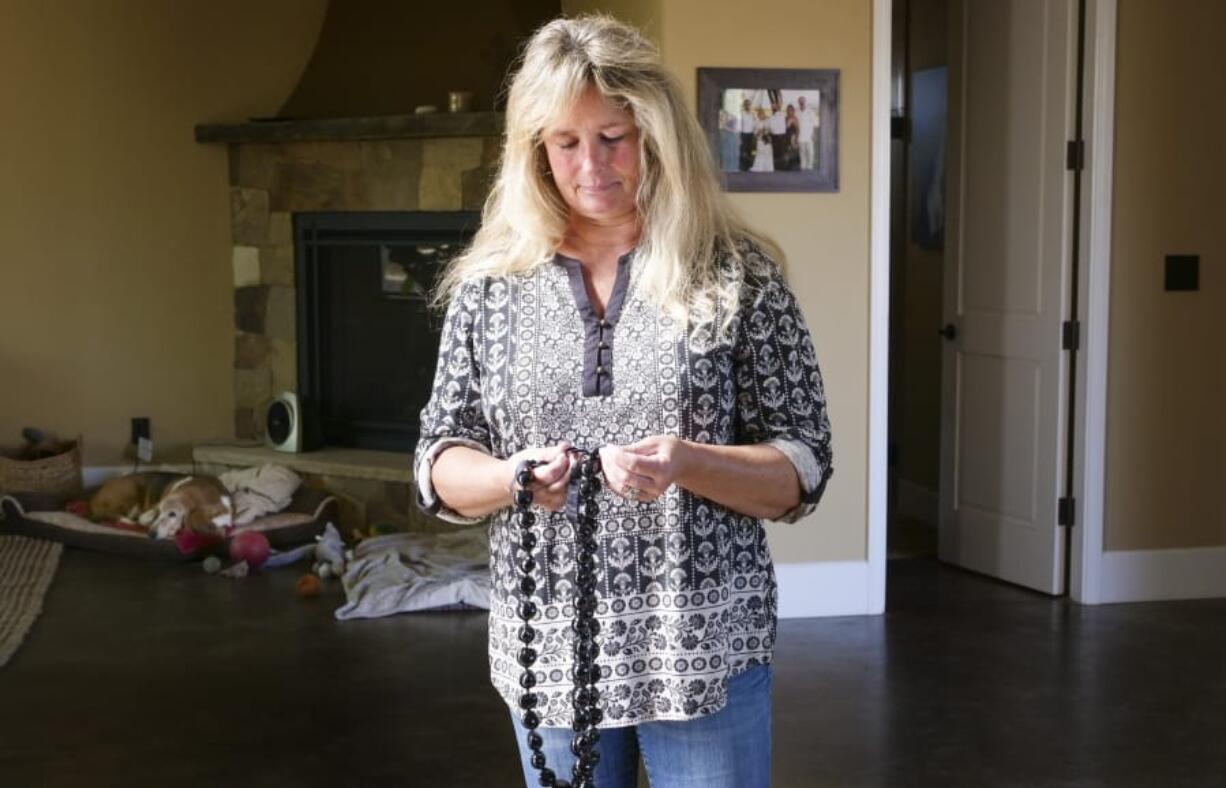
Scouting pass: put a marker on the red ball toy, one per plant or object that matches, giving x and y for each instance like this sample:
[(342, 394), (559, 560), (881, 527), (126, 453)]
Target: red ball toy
[(250, 546)]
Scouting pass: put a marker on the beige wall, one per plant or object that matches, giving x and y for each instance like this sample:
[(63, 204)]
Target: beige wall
[(1166, 420), (644, 14), (826, 236), (115, 281)]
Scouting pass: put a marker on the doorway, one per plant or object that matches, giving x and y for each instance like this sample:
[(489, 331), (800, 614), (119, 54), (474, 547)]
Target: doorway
[(982, 456), (918, 80)]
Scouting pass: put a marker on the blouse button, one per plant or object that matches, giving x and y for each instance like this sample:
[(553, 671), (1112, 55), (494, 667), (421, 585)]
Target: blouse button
[(604, 345), (599, 370)]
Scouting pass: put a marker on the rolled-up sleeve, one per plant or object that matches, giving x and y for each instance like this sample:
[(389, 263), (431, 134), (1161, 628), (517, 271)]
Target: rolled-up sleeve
[(781, 401), (453, 416)]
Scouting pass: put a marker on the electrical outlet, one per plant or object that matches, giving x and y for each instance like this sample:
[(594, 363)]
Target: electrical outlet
[(140, 429)]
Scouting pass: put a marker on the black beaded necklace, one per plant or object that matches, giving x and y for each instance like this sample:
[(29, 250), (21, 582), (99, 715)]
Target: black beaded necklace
[(581, 509)]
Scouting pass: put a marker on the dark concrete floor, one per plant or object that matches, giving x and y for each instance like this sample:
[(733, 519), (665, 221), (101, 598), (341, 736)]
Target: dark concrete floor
[(147, 675), (908, 537)]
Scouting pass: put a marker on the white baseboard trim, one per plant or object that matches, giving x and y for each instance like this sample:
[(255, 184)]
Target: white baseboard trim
[(1149, 575), (918, 502), (834, 588), (93, 475)]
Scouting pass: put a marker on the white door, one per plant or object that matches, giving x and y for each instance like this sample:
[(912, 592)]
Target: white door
[(1012, 99)]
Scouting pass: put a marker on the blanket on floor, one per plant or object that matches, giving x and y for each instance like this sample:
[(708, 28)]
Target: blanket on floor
[(404, 572)]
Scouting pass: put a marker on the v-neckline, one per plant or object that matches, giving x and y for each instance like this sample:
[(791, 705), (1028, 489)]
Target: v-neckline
[(583, 302), (598, 333)]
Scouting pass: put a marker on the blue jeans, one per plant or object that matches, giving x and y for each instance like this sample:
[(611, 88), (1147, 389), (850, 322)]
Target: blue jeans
[(728, 749)]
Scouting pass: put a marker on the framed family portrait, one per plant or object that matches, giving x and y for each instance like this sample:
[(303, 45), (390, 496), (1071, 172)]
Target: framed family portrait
[(772, 129)]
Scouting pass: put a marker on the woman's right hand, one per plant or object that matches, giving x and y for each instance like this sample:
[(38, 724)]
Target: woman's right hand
[(550, 479)]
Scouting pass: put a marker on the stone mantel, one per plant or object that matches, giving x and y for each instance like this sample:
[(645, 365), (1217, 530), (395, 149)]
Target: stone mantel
[(382, 127)]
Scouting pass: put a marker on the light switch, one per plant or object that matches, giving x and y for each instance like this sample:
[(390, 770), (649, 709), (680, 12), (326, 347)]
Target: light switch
[(1182, 272)]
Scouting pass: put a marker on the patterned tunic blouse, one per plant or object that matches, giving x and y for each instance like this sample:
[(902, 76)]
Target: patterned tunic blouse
[(686, 595)]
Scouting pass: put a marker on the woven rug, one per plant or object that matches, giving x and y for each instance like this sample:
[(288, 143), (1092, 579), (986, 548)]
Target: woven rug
[(26, 568)]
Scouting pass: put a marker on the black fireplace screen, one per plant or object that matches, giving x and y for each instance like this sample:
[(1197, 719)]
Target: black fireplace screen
[(367, 343)]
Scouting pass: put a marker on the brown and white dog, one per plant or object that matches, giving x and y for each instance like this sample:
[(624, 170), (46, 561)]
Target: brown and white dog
[(126, 498), (200, 503), (165, 503)]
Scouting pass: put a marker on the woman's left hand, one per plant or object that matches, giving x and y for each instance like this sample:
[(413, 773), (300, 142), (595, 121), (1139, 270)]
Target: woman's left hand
[(642, 471)]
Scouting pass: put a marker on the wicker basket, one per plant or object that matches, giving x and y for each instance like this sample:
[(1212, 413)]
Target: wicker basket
[(59, 474)]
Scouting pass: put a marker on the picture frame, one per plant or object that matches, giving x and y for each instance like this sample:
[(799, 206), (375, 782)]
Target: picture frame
[(793, 145)]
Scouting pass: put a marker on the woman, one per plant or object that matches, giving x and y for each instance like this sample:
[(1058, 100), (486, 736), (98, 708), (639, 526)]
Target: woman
[(612, 300), (729, 141), (793, 152), (764, 161)]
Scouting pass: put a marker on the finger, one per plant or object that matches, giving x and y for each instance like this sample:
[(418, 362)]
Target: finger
[(558, 487), (646, 465), (645, 446), (644, 497), (620, 465), (550, 472), (628, 461), (642, 490), (547, 454), (644, 484), (545, 474), (637, 477), (616, 478)]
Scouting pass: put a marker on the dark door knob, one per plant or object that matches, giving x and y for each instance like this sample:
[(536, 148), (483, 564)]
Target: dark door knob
[(949, 332)]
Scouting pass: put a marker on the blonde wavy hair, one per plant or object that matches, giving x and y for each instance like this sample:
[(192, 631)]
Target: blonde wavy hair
[(685, 219)]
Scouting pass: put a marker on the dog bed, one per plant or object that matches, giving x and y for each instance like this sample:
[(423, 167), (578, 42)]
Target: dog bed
[(42, 516)]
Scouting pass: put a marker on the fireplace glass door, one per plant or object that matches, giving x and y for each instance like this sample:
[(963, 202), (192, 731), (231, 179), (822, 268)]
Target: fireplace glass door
[(368, 342)]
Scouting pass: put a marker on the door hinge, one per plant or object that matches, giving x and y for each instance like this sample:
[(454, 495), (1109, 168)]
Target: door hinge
[(1064, 511), (1075, 156), (1071, 339)]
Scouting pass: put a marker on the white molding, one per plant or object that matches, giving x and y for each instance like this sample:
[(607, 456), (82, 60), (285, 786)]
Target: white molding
[(879, 307), (1087, 570), (829, 588), (918, 502), (1146, 575)]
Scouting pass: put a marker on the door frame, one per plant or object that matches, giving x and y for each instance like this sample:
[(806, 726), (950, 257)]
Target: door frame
[(1090, 408)]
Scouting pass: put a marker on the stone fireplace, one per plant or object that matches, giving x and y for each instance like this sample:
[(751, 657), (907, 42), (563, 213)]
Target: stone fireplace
[(387, 165), (390, 164)]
